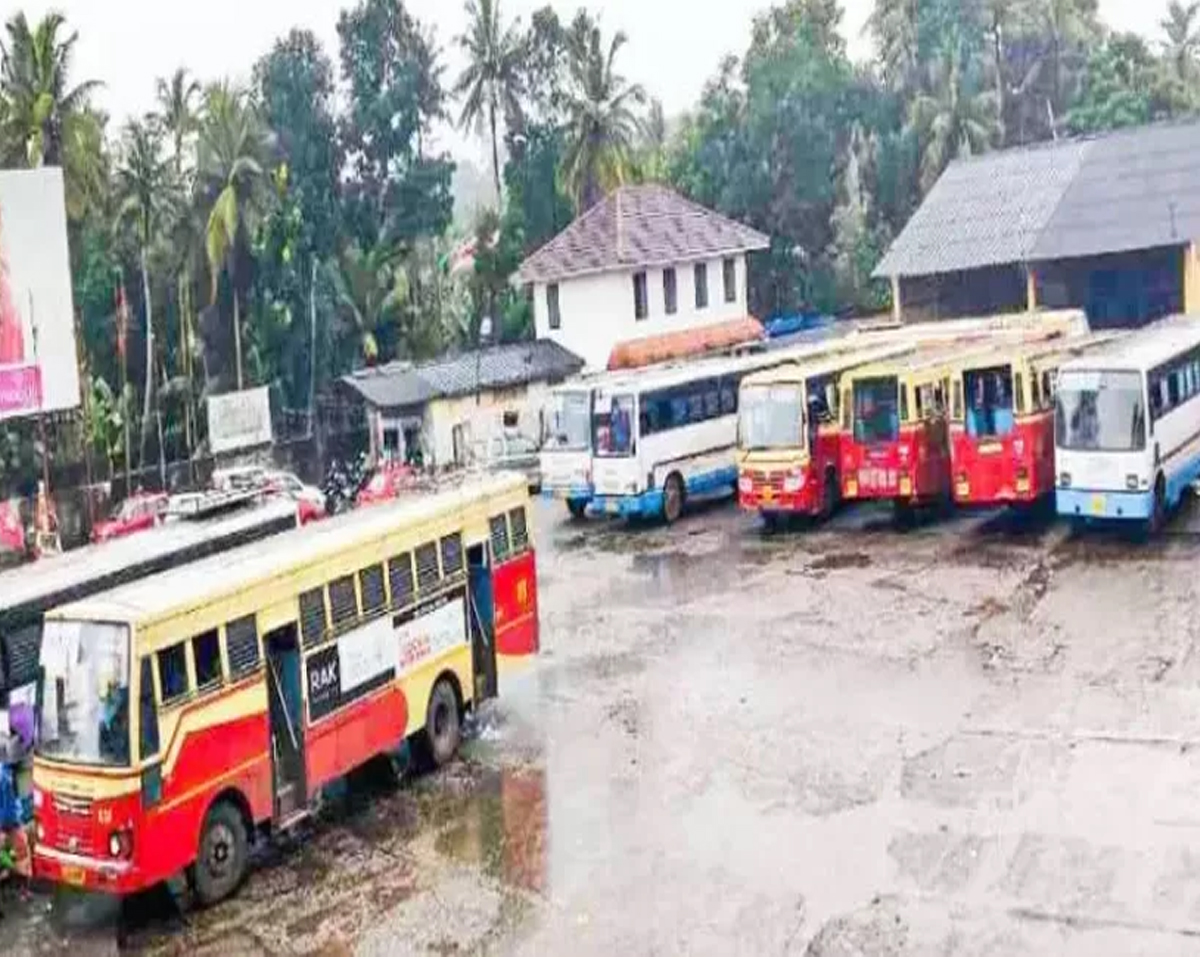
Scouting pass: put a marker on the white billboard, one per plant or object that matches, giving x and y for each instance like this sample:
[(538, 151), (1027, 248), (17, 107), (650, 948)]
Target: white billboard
[(38, 365), (239, 420)]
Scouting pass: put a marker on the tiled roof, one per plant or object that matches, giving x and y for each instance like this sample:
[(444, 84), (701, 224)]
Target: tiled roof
[(641, 226), (407, 385), (1130, 190)]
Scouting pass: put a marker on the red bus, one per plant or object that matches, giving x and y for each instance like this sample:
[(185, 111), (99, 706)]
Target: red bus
[(789, 436), (1002, 421), (185, 714), (894, 442)]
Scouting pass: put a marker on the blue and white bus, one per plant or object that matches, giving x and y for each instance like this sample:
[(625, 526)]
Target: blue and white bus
[(1127, 425)]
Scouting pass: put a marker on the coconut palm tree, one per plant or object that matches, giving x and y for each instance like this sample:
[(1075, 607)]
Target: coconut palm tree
[(35, 68), (371, 287), (145, 190), (956, 118), (234, 154), (176, 99), (491, 83), (602, 120), (1179, 25)]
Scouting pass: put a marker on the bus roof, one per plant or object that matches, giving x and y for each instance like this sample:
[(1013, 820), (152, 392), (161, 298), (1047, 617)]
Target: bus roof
[(31, 589), (796, 370), (927, 358), (188, 586), (1031, 351), (1146, 348)]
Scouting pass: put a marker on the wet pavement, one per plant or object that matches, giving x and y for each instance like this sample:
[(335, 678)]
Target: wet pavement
[(980, 735)]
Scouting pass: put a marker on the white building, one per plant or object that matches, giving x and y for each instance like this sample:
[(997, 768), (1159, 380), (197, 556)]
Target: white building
[(642, 263), (443, 410)]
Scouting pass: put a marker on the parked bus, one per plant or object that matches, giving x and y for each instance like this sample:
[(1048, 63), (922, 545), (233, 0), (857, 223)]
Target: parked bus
[(566, 457), (789, 434), (1127, 425), (667, 435), (1002, 421), (27, 592), (185, 713)]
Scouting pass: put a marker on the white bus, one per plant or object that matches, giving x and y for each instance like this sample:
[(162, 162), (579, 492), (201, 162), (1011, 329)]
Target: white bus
[(566, 457), (1127, 425), (666, 435)]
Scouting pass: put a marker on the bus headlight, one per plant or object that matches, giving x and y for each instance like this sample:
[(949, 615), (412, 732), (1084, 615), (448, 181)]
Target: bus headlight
[(1131, 481), (745, 484), (40, 832), (120, 844), (1064, 479), (793, 482)]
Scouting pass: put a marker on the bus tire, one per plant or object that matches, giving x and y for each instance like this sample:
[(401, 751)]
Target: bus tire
[(443, 729), (830, 495), (223, 855), (673, 497), (577, 509)]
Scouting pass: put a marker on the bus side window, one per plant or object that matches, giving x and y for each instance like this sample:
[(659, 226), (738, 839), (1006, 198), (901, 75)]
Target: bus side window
[(520, 529), (939, 399), (1018, 393), (904, 403), (957, 399), (370, 587), (919, 405), (847, 411), (343, 602), (1048, 389), (1036, 386), (206, 657), (241, 644), (172, 672), (400, 579), (499, 530), (147, 714), (452, 555), (428, 573), (312, 617)]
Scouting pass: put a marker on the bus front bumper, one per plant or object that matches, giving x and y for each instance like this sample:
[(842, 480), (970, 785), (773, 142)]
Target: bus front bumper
[(648, 504), (89, 873), (580, 493), (1104, 504)]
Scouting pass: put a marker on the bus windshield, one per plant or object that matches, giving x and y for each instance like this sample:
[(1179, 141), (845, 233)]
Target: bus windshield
[(876, 410), (1100, 410), (612, 427), (85, 693), (771, 417), (989, 402), (567, 427)]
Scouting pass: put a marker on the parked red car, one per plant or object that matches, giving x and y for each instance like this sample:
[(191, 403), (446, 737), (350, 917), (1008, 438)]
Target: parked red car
[(387, 483), (310, 502), (139, 512)]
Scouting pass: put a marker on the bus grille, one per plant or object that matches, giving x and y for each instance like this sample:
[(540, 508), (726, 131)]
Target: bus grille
[(765, 480), (74, 823)]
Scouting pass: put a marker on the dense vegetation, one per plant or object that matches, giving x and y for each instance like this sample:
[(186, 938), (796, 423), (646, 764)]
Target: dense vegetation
[(285, 231)]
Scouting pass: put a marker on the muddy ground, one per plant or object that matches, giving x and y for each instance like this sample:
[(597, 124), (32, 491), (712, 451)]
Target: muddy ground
[(977, 736)]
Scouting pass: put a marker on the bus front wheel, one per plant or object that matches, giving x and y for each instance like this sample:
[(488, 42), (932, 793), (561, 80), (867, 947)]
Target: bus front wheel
[(577, 509), (673, 498), (223, 855), (1158, 511), (443, 731)]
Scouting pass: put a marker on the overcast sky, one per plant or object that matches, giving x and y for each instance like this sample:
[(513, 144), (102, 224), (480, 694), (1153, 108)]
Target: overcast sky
[(674, 45)]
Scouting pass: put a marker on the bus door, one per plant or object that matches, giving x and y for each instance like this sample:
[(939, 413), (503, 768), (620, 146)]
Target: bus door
[(285, 707), (481, 611)]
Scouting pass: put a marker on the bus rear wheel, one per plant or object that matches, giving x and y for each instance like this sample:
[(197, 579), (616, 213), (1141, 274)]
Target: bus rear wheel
[(223, 855), (673, 498), (443, 731), (577, 509), (830, 494)]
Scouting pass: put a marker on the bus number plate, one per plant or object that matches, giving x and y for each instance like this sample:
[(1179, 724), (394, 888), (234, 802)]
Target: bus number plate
[(1098, 505), (74, 876)]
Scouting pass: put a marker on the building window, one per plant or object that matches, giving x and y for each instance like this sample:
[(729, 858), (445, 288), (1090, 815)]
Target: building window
[(729, 269), (641, 305), (670, 291), (701, 286), (552, 307)]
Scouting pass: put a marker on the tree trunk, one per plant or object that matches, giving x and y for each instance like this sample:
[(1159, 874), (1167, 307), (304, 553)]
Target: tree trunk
[(237, 335), (149, 398), (495, 156)]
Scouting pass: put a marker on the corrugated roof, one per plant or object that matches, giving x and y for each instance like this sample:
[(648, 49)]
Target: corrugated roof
[(1138, 188), (1129, 190), (985, 211), (407, 385), (642, 226)]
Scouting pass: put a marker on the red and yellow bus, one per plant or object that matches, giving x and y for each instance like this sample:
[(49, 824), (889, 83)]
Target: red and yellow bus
[(185, 714), (1002, 421), (789, 434), (894, 444)]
